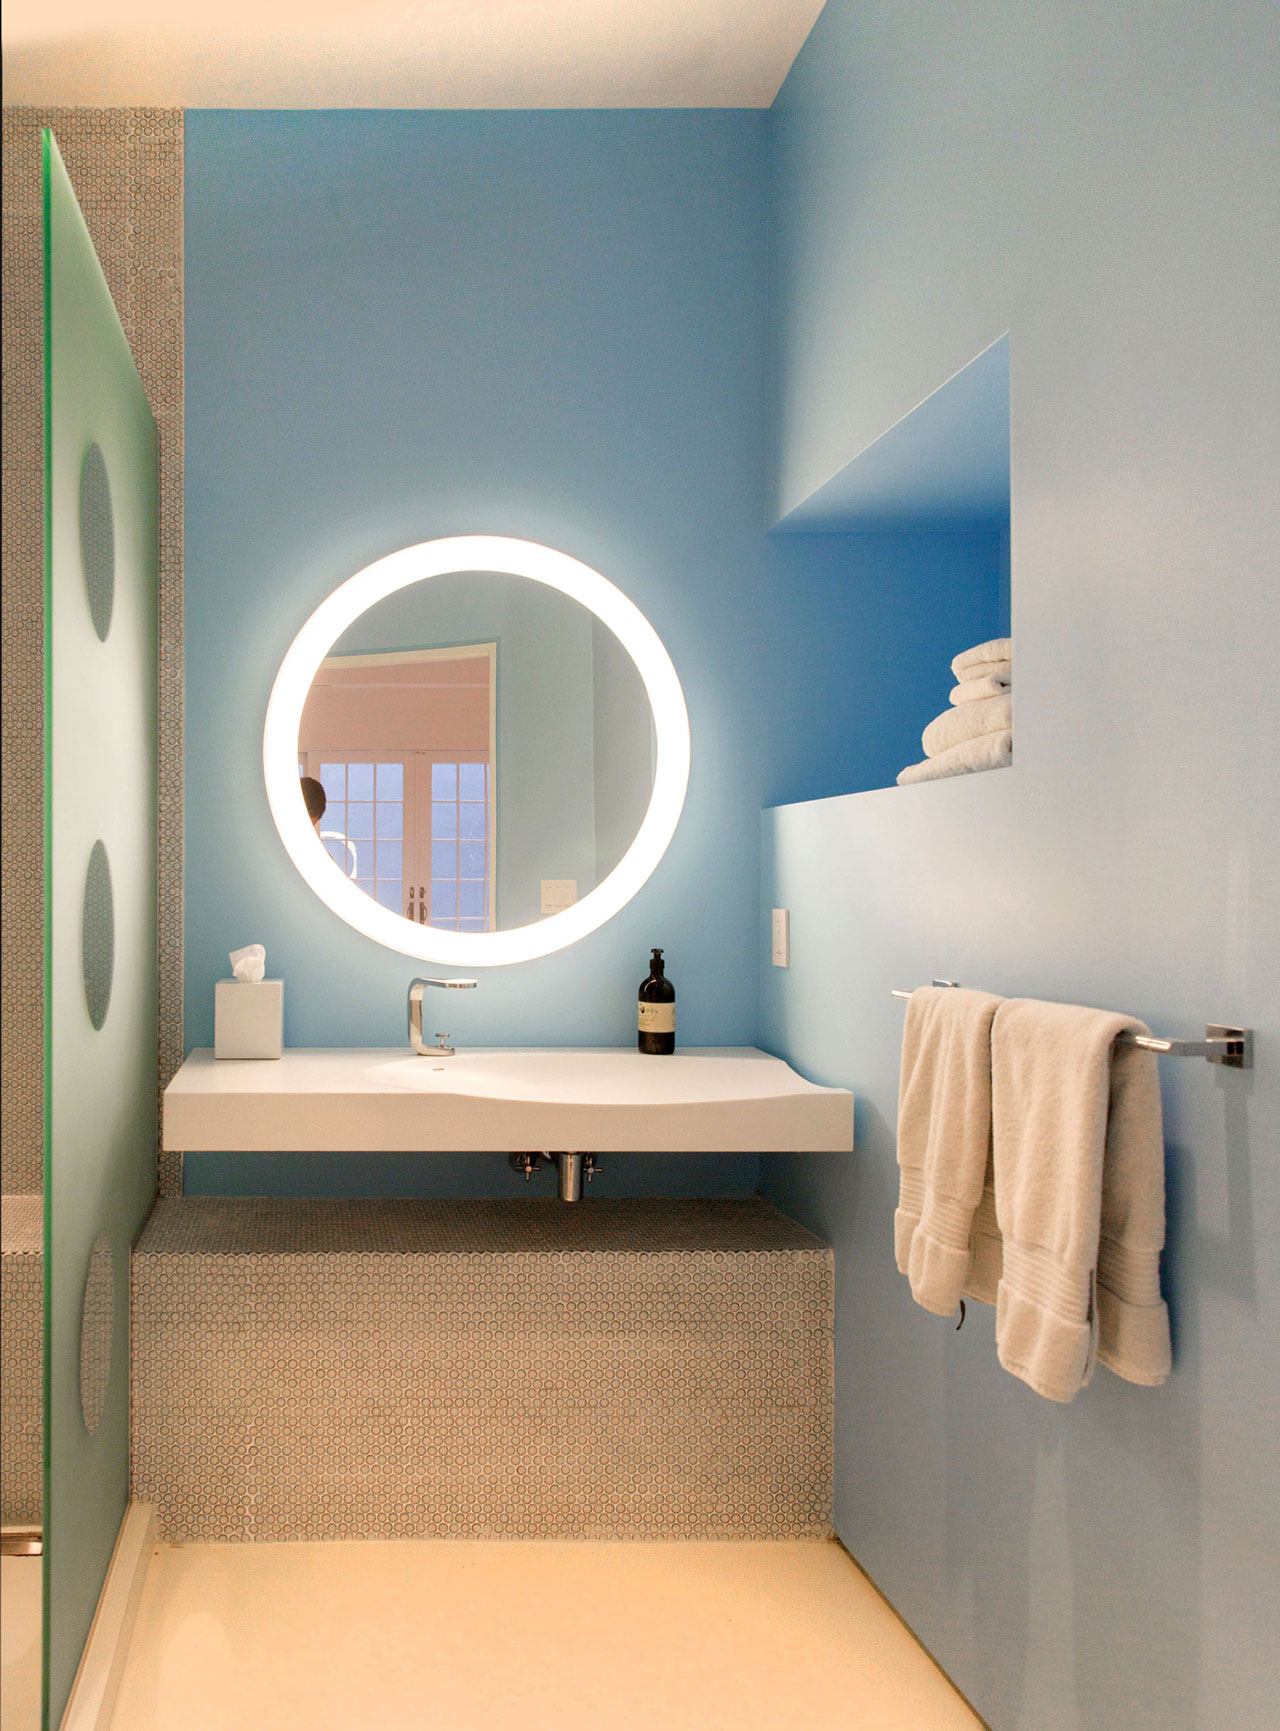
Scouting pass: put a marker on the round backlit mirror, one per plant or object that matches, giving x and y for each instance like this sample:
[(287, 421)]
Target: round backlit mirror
[(476, 750)]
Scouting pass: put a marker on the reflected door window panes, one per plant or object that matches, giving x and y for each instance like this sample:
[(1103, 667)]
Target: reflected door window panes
[(401, 741), (364, 823), (413, 830), (460, 846)]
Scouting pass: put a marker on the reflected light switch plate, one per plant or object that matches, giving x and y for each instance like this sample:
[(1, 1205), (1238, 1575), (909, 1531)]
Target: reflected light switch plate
[(781, 955), (558, 894)]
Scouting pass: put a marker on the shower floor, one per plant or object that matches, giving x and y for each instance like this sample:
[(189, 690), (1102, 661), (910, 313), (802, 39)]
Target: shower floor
[(20, 1643), (721, 1636)]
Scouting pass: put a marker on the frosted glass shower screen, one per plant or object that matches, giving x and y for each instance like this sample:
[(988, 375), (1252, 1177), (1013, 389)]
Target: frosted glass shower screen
[(101, 495)]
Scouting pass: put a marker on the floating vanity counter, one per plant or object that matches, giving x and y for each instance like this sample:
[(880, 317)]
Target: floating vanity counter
[(724, 1099)]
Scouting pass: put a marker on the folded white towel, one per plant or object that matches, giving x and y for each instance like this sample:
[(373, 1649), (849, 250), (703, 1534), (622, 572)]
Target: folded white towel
[(967, 721), (973, 688), (987, 751), (997, 649), (1079, 1184), (944, 1139)]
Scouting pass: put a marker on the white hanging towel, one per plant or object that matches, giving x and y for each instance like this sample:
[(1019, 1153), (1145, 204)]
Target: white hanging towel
[(944, 1139), (1078, 1158)]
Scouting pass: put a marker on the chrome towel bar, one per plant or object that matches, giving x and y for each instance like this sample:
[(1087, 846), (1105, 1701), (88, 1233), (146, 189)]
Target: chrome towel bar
[(1221, 1044)]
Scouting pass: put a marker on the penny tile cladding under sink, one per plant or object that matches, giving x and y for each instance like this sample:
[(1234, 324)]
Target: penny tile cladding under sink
[(531, 1384)]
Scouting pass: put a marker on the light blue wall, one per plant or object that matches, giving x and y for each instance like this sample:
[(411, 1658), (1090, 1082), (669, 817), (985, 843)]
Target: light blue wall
[(1093, 180), (405, 325), (402, 325)]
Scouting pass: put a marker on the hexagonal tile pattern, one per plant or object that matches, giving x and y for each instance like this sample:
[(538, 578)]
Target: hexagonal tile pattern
[(522, 1369)]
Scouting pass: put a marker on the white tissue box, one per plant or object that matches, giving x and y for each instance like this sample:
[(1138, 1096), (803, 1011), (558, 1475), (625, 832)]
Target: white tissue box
[(248, 1018)]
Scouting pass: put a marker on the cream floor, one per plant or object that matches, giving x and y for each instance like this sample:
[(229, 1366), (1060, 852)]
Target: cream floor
[(20, 1643), (523, 1637)]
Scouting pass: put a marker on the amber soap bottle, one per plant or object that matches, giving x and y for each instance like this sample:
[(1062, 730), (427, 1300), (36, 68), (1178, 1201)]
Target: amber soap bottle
[(657, 1010)]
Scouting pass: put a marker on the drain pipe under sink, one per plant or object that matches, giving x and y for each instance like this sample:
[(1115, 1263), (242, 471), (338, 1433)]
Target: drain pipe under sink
[(571, 1169)]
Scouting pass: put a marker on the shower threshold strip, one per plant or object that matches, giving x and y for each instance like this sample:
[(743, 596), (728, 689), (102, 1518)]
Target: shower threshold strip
[(21, 1541)]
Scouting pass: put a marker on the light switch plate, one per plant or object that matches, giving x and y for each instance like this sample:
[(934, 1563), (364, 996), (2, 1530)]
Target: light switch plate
[(558, 894), (782, 937)]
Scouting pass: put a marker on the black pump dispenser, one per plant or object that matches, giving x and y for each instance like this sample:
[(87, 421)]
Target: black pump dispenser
[(657, 1011)]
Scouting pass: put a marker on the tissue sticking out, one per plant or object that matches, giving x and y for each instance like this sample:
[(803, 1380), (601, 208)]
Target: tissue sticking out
[(249, 964)]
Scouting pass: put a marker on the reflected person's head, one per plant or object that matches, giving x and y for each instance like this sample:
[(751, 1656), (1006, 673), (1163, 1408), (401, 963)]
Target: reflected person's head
[(314, 798)]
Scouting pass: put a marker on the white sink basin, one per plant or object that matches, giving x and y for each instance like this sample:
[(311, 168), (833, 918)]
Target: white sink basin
[(725, 1099)]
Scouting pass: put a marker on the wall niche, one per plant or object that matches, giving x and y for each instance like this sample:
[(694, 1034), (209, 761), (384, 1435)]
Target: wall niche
[(913, 534)]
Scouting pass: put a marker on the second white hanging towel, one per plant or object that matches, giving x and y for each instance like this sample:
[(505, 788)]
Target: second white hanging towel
[(1079, 1180)]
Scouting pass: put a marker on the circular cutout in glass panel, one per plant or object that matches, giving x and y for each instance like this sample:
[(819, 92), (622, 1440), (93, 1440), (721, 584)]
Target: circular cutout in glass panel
[(97, 540), (96, 1317), (98, 936)]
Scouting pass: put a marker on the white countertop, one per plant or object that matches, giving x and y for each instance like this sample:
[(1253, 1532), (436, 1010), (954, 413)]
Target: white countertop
[(722, 1099)]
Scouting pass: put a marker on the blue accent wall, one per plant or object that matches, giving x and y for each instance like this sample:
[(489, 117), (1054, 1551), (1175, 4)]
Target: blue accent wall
[(407, 325), (1092, 180), (404, 325)]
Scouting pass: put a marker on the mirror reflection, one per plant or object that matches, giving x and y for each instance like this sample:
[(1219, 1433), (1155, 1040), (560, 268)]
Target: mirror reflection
[(477, 752)]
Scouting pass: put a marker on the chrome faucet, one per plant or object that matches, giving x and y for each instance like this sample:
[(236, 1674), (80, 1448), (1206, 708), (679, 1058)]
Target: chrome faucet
[(442, 1048)]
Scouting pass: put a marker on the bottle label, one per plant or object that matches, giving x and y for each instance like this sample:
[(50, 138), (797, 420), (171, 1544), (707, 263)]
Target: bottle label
[(657, 1018)]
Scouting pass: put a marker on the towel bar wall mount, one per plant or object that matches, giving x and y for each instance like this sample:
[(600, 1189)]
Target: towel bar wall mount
[(1222, 1044)]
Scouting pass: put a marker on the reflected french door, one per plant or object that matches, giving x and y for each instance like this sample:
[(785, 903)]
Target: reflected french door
[(412, 829)]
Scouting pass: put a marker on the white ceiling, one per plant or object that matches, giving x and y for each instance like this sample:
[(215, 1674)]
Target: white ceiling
[(402, 53)]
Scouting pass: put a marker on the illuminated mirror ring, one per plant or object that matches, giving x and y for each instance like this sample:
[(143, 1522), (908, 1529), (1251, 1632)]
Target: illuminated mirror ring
[(456, 555)]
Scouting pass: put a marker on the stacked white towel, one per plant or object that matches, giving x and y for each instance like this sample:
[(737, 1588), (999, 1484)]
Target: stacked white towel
[(976, 731), (986, 670)]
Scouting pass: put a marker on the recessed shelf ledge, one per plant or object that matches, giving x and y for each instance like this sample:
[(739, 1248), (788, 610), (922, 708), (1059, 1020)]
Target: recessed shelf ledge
[(715, 1099)]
